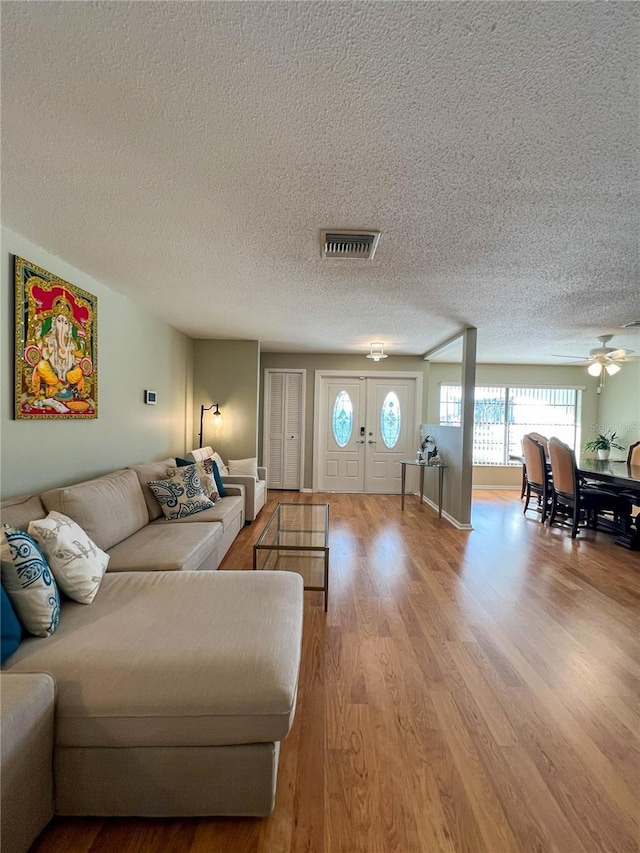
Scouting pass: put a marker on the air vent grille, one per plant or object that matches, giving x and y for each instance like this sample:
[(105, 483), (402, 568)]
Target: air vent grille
[(349, 244)]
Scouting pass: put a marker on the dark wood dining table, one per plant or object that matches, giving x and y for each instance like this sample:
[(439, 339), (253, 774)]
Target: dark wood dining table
[(614, 472), (622, 476)]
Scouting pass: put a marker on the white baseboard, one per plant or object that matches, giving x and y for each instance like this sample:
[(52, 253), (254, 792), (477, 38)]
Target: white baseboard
[(307, 491), (453, 521), (503, 487)]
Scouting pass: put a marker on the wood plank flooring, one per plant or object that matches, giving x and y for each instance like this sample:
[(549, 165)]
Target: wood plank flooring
[(467, 692)]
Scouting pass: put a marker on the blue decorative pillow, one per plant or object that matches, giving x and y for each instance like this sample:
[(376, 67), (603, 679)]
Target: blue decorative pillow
[(28, 582), (11, 628), (182, 494), (216, 476), (182, 463)]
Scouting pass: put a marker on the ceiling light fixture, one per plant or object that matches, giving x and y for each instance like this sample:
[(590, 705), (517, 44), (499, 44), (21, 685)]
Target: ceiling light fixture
[(594, 369), (376, 351)]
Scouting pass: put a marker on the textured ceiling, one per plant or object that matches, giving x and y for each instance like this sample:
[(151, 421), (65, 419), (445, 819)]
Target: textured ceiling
[(188, 154)]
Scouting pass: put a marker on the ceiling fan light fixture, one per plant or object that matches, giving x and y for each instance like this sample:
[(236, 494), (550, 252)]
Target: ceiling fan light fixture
[(594, 369), (612, 369), (376, 351)]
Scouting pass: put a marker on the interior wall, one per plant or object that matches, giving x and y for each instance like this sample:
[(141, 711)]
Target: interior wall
[(619, 408), (227, 373), (135, 352), (505, 476), (318, 361)]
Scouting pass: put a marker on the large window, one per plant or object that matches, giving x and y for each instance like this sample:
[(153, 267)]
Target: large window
[(503, 414)]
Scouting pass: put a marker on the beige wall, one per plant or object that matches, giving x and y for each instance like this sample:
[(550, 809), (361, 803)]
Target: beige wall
[(136, 352), (315, 361), (619, 407), (515, 374), (227, 372)]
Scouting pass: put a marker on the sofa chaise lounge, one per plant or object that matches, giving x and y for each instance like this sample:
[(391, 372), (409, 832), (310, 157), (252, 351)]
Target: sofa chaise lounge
[(173, 687)]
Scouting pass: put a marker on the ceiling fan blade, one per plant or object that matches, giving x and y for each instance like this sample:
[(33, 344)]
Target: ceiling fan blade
[(618, 353), (574, 357)]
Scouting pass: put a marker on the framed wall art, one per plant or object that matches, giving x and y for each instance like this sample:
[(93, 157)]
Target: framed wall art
[(56, 373)]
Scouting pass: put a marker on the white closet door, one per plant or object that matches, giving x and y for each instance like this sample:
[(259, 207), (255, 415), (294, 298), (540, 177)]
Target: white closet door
[(293, 430), (284, 428)]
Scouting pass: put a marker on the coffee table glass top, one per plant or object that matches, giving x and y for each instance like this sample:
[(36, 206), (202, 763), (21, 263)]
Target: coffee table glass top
[(296, 539)]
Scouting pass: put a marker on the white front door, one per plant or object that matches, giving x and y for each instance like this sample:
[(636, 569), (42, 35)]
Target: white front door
[(341, 450), (364, 426), (390, 432)]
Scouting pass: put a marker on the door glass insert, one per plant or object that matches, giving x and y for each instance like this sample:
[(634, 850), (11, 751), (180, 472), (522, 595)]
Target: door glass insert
[(342, 420), (390, 419)]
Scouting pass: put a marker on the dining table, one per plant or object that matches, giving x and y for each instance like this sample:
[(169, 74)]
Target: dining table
[(618, 473)]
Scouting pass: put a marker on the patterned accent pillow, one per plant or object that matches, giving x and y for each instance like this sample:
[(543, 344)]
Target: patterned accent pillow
[(28, 582), (182, 494), (77, 563), (205, 472)]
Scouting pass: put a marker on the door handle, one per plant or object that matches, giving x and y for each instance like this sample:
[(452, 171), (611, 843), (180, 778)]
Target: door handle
[(372, 442)]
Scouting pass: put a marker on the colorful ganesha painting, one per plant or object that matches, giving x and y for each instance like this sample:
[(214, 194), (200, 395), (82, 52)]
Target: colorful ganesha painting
[(58, 359)]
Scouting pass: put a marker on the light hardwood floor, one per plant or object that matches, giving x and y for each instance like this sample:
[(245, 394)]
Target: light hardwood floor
[(473, 692)]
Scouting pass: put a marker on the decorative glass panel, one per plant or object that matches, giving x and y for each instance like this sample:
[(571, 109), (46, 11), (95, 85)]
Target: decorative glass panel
[(342, 421), (390, 419)]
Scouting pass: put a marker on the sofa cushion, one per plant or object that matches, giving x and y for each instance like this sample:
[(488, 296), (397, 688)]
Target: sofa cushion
[(156, 548), (108, 509), (244, 466), (18, 512), (75, 560), (225, 510), (175, 659), (28, 581), (152, 471)]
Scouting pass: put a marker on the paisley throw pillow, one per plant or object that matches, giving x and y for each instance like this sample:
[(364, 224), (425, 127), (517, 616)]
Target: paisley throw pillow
[(28, 582), (182, 494)]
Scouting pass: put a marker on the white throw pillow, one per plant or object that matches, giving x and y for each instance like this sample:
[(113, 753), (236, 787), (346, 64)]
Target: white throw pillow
[(29, 582), (244, 466), (78, 565), (222, 468)]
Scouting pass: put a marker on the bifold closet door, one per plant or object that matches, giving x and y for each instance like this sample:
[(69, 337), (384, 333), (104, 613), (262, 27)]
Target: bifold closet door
[(284, 412)]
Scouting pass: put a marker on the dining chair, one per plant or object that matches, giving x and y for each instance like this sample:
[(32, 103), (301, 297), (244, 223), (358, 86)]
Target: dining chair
[(542, 439), (537, 475), (574, 499)]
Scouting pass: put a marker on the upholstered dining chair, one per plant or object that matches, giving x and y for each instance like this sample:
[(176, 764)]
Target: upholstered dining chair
[(537, 475), (633, 457), (542, 439), (574, 499)]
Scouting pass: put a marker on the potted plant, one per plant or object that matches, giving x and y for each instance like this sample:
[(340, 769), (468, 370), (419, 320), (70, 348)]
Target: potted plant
[(603, 443)]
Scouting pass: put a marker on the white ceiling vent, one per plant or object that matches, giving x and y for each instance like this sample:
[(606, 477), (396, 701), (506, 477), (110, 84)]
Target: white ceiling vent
[(349, 244)]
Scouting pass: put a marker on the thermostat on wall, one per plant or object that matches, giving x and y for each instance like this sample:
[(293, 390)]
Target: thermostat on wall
[(150, 398)]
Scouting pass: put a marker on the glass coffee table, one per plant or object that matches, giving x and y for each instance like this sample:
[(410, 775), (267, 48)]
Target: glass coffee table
[(296, 539)]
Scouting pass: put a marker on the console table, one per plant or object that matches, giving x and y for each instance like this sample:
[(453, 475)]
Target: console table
[(422, 465)]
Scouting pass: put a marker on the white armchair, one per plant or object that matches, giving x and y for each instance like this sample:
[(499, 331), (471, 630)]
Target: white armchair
[(255, 490)]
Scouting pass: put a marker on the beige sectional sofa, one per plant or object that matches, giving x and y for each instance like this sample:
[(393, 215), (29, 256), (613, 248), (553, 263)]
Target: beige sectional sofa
[(173, 687)]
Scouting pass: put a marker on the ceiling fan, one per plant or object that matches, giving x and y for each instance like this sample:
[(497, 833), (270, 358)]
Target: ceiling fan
[(602, 360)]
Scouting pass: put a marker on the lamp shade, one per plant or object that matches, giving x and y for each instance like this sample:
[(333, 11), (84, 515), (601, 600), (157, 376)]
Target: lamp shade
[(612, 368), (594, 369)]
